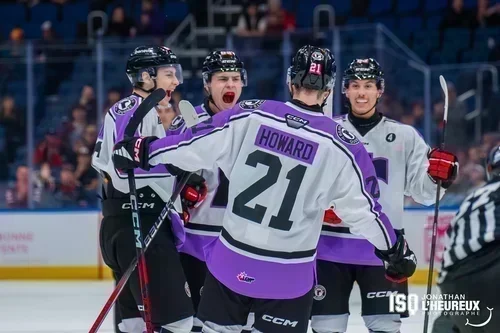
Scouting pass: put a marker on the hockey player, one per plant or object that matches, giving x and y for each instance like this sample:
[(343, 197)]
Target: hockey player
[(286, 163), (224, 76), (471, 259), (148, 68), (404, 165)]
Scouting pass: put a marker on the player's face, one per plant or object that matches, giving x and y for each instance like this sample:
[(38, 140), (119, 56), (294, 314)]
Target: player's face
[(225, 88), (166, 79), (363, 95)]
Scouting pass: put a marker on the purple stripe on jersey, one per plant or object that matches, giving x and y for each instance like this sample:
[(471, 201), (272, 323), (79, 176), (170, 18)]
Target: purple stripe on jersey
[(211, 125), (347, 251), (259, 279), (157, 171), (196, 245), (177, 229), (286, 144)]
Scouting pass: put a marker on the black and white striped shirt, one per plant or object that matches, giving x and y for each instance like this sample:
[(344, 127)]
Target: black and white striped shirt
[(476, 224)]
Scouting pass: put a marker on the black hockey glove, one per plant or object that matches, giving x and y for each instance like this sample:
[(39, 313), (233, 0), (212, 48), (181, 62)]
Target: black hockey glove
[(133, 153), (399, 261)]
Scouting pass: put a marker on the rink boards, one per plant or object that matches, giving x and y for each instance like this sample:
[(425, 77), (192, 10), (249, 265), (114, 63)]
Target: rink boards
[(65, 245)]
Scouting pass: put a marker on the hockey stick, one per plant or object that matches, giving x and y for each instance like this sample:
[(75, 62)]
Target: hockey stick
[(187, 110), (436, 207)]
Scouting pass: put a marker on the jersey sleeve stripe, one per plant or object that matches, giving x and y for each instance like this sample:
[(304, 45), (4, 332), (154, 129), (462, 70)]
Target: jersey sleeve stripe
[(196, 138)]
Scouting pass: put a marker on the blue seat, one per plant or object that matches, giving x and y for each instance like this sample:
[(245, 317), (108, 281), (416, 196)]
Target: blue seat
[(76, 12), (380, 7), (176, 10), (405, 6), (43, 12), (410, 23), (433, 22), (456, 38), (16, 13), (389, 21), (435, 5), (342, 7)]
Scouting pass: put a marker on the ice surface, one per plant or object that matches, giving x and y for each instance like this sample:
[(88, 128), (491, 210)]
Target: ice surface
[(71, 307)]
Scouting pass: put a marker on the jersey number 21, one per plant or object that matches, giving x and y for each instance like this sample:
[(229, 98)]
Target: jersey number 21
[(295, 176)]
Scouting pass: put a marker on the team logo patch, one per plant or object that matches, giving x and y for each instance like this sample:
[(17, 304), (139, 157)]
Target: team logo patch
[(244, 277), (187, 290), (125, 105), (319, 292), (318, 56), (390, 137), (176, 123), (251, 104), (346, 136)]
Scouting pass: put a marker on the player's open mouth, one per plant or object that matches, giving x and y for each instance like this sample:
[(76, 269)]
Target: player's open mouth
[(169, 93), (361, 101), (228, 97)]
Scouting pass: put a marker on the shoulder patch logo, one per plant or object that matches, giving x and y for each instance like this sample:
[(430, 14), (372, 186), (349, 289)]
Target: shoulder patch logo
[(251, 104), (295, 121), (177, 122), (346, 136), (319, 292), (390, 137), (125, 105)]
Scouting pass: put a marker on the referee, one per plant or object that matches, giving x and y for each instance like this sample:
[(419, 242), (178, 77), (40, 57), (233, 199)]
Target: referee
[(471, 261)]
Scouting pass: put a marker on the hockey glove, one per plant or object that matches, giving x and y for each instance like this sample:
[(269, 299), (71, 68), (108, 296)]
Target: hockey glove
[(443, 166), (133, 153), (399, 261), (330, 217), (194, 192)]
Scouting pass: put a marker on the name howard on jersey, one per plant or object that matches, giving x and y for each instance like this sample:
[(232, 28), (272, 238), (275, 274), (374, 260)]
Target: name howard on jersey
[(286, 144)]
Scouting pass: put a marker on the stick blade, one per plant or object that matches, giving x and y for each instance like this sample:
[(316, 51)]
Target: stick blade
[(188, 113), (147, 104), (444, 86)]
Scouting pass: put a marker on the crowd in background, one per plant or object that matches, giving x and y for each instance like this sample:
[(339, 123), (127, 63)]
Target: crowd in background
[(64, 177)]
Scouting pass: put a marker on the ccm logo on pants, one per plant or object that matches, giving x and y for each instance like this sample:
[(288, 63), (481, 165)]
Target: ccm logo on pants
[(279, 321), (381, 294)]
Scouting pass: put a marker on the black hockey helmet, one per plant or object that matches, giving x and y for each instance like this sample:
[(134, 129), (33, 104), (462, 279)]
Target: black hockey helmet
[(493, 163), (312, 68), (148, 59), (223, 61), (364, 69)]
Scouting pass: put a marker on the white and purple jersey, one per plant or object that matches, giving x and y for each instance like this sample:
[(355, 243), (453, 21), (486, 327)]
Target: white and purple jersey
[(206, 220), (112, 131), (399, 155), (286, 164)]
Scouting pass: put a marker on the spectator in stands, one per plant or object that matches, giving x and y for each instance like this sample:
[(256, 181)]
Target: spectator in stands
[(13, 121), (50, 150), (48, 51), (88, 102), (120, 25), (86, 176), (278, 19), (457, 16), (487, 17), (475, 176), (16, 195), (152, 19), (45, 178), (68, 191), (75, 129), (251, 23), (114, 96), (16, 41), (418, 112)]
